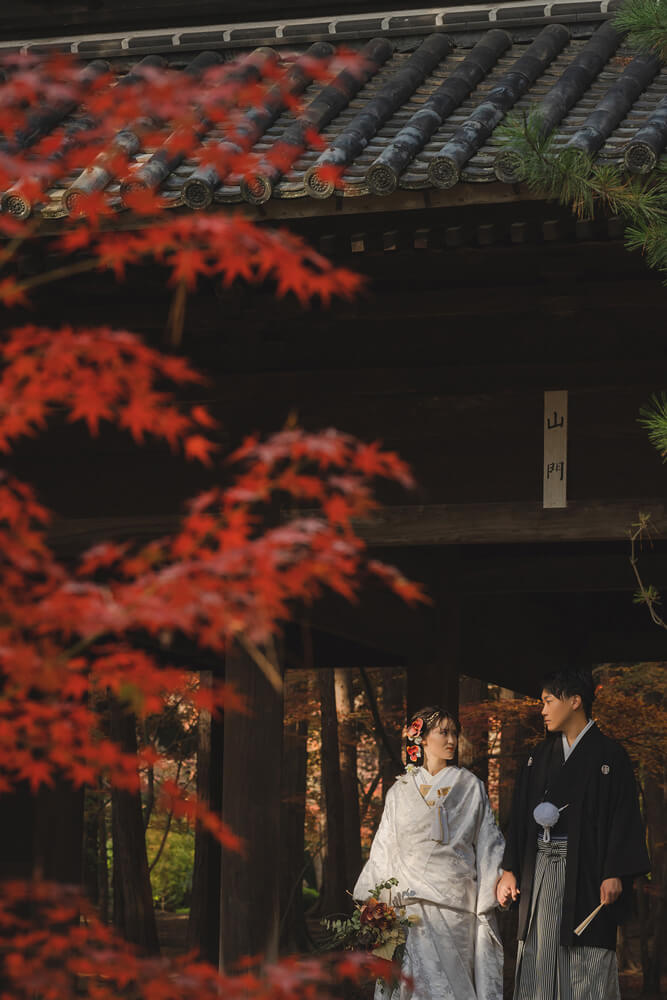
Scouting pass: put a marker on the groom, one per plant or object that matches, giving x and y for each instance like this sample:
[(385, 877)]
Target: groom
[(584, 851)]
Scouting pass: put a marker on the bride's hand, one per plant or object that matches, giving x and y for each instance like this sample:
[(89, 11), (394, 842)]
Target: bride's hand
[(506, 889)]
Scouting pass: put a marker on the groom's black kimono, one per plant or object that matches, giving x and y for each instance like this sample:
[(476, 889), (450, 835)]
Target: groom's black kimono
[(602, 823)]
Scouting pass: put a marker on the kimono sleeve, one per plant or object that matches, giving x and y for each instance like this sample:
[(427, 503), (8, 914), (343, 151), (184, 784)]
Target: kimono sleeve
[(378, 868), (626, 854), (489, 848)]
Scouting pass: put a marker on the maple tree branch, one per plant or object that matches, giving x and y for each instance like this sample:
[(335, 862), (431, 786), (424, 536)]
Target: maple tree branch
[(57, 273), (14, 245), (176, 317), (166, 828), (261, 659)]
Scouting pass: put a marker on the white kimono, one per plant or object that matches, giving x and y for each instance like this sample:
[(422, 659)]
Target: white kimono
[(445, 850)]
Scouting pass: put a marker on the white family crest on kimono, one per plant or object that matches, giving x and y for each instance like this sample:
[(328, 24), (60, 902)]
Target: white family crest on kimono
[(438, 837)]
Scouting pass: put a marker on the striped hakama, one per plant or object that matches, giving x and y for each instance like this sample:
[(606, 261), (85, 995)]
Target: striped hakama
[(546, 970)]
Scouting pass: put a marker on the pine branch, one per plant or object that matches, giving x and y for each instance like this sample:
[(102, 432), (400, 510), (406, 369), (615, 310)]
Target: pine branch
[(653, 419), (573, 179), (646, 22)]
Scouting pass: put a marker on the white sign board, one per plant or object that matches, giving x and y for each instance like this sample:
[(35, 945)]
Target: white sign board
[(555, 449)]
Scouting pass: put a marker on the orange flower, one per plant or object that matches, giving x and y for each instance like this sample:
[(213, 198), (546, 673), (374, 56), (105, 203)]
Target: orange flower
[(380, 915)]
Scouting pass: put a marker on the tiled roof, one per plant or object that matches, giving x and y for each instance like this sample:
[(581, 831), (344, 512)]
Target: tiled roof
[(426, 118), (282, 31)]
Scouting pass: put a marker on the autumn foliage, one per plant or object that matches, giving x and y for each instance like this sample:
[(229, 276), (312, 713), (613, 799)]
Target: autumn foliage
[(62, 949), (69, 632)]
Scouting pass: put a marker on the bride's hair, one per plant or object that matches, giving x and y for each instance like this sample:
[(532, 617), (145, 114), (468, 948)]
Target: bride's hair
[(420, 725)]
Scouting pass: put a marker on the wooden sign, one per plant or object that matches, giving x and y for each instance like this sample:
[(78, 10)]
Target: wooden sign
[(555, 449)]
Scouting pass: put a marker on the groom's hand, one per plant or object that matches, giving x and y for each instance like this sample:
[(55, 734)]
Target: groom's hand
[(610, 890), (506, 889)]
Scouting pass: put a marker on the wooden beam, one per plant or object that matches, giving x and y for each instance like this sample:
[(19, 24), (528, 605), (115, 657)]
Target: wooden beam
[(475, 524), (506, 570), (420, 524), (313, 385), (399, 201), (284, 209), (381, 305)]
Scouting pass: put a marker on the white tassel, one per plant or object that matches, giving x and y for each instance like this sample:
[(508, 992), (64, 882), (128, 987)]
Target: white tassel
[(439, 825)]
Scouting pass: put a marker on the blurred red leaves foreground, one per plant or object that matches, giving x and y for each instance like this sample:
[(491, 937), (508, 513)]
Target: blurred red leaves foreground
[(61, 949), (68, 631)]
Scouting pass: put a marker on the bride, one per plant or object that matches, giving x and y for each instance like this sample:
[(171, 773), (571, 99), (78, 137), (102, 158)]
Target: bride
[(438, 837)]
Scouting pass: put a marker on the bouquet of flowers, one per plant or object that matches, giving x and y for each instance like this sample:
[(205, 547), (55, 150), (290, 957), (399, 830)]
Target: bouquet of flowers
[(375, 926)]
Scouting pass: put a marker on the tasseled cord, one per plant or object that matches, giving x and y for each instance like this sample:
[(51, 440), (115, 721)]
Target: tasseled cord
[(439, 827)]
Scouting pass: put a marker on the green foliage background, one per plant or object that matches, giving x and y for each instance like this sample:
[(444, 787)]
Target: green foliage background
[(171, 878)]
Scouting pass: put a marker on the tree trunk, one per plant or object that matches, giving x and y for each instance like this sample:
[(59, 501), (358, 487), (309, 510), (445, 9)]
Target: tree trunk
[(293, 933), (655, 802), (133, 913), (204, 919), (334, 898), (91, 848), (347, 736), (644, 933), (388, 742), (102, 861), (474, 753), (622, 949), (508, 762), (393, 717), (252, 756)]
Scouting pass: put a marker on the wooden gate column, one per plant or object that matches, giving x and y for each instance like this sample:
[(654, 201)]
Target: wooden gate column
[(251, 793), (43, 834)]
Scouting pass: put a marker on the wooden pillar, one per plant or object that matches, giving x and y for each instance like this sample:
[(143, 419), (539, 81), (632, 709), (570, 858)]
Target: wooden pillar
[(133, 912), (250, 882), (17, 834), (347, 746), (335, 882), (293, 932), (437, 681), (44, 834), (59, 833)]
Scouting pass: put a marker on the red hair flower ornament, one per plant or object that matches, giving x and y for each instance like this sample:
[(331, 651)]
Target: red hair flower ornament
[(413, 753), (413, 734)]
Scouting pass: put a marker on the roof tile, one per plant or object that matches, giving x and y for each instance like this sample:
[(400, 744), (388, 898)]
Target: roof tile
[(580, 79)]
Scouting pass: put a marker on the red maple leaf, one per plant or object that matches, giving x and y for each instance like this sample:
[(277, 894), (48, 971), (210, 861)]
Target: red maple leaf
[(12, 293), (198, 447), (143, 200), (75, 238), (187, 264), (201, 415)]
